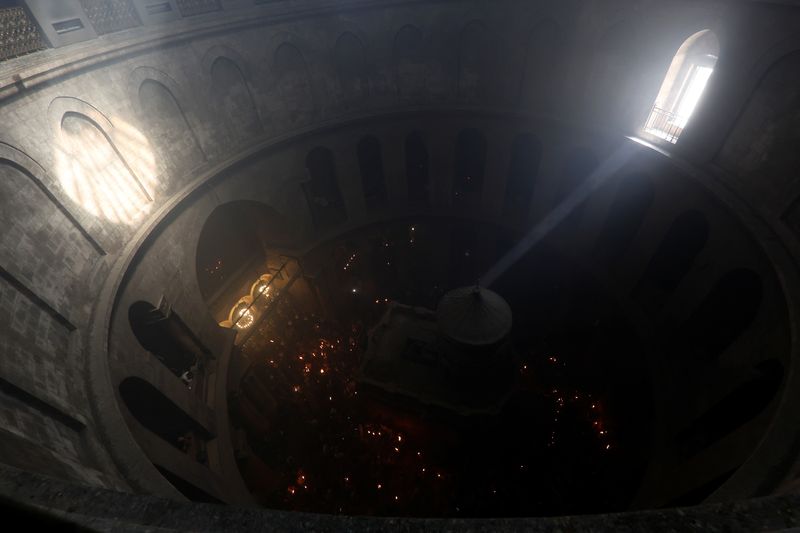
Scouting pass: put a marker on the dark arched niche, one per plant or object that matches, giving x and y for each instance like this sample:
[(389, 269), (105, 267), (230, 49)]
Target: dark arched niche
[(322, 190), (526, 153), (157, 413), (293, 82), (742, 404), (685, 239), (166, 337), (235, 99), (168, 128), (233, 244), (635, 194), (470, 165), (370, 162), (725, 313), (417, 161)]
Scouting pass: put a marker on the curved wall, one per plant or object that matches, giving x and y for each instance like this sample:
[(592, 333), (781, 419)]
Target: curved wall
[(120, 148)]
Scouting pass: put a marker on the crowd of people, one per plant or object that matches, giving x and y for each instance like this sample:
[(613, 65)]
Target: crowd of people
[(330, 444)]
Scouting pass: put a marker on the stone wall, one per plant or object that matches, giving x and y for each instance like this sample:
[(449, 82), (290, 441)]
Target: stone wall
[(102, 140)]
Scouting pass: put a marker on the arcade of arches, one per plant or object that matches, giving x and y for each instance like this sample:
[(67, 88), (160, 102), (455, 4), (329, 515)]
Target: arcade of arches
[(370, 265)]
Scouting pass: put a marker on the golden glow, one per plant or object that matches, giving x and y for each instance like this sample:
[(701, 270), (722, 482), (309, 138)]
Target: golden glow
[(243, 315), (245, 318), (110, 177)]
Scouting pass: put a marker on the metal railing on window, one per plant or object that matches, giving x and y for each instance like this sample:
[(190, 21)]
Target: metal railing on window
[(108, 16), (664, 124), (197, 7), (18, 34)]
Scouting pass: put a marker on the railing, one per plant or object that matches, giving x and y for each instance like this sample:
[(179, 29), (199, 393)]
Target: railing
[(108, 16), (18, 34), (664, 124), (197, 7)]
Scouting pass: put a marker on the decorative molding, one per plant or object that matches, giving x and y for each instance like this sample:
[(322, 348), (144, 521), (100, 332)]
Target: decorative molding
[(37, 300), (27, 166)]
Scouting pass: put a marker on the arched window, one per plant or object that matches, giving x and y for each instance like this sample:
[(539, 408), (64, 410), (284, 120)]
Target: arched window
[(526, 153), (469, 165), (417, 169), (370, 161), (322, 191), (683, 86)]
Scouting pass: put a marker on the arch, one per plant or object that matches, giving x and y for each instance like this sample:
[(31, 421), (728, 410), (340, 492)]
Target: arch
[(351, 68), (470, 165), (614, 57), (724, 314), (773, 111), (163, 336), (168, 128), (417, 162), (237, 106), (232, 248), (292, 81), (217, 51), (463, 267), (523, 170), (91, 140), (537, 84), (322, 190), (32, 220), (743, 404), (683, 86), (408, 55), (20, 162), (157, 413), (370, 162), (685, 239), (95, 174), (473, 62), (633, 199), (62, 105)]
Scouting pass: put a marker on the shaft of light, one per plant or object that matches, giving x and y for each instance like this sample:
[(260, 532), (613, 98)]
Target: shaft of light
[(597, 178)]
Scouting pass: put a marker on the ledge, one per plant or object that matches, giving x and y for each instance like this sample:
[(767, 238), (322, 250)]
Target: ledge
[(105, 509)]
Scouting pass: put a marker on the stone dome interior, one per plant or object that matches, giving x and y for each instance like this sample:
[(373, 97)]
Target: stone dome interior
[(229, 224)]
